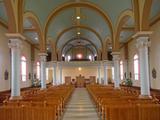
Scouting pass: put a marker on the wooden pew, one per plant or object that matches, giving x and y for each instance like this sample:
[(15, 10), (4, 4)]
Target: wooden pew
[(122, 104)]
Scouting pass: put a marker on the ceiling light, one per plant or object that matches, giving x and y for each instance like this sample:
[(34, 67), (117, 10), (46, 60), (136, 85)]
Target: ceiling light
[(78, 17), (78, 33), (79, 68), (36, 38), (79, 56)]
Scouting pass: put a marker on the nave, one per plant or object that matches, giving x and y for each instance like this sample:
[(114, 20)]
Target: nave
[(80, 107)]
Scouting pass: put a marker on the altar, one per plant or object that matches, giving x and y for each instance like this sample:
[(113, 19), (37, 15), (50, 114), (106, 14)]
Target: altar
[(80, 81)]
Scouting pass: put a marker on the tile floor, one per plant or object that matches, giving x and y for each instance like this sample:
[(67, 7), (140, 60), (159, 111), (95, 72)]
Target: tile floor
[(80, 107)]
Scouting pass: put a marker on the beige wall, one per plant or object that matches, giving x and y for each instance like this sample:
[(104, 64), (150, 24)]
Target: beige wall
[(4, 60), (154, 56), (36, 59)]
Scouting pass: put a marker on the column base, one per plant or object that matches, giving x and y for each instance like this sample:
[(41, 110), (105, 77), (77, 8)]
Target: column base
[(43, 88), (16, 98), (145, 97), (117, 88)]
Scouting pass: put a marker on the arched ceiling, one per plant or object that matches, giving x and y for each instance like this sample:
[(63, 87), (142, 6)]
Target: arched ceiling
[(73, 34), (100, 16), (30, 31)]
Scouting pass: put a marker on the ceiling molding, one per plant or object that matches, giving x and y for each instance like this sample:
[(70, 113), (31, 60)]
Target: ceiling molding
[(30, 30)]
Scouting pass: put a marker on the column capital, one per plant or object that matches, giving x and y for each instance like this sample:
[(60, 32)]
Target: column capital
[(42, 57), (105, 62), (116, 55), (15, 43), (143, 42), (54, 64)]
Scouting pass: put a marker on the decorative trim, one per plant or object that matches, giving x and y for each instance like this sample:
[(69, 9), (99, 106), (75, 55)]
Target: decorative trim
[(115, 53), (43, 54), (142, 34)]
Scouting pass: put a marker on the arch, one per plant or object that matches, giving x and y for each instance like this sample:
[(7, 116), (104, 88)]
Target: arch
[(136, 14), (31, 16), (76, 4), (15, 15), (9, 4), (145, 15), (78, 26), (120, 22), (20, 6), (82, 39)]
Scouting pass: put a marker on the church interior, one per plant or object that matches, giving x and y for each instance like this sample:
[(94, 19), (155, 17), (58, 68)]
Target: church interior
[(79, 60)]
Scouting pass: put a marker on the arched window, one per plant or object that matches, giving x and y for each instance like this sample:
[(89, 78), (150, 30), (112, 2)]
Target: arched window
[(113, 73), (38, 70), (136, 67), (47, 74), (121, 70), (23, 68)]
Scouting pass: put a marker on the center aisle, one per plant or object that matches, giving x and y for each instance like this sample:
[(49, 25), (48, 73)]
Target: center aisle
[(80, 107)]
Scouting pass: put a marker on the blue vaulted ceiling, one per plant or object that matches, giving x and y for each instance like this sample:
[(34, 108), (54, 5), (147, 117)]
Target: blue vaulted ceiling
[(67, 18)]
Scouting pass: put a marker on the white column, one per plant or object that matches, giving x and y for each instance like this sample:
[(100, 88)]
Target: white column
[(60, 74), (54, 73), (105, 73), (142, 45), (116, 60), (43, 70), (99, 75), (16, 45)]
